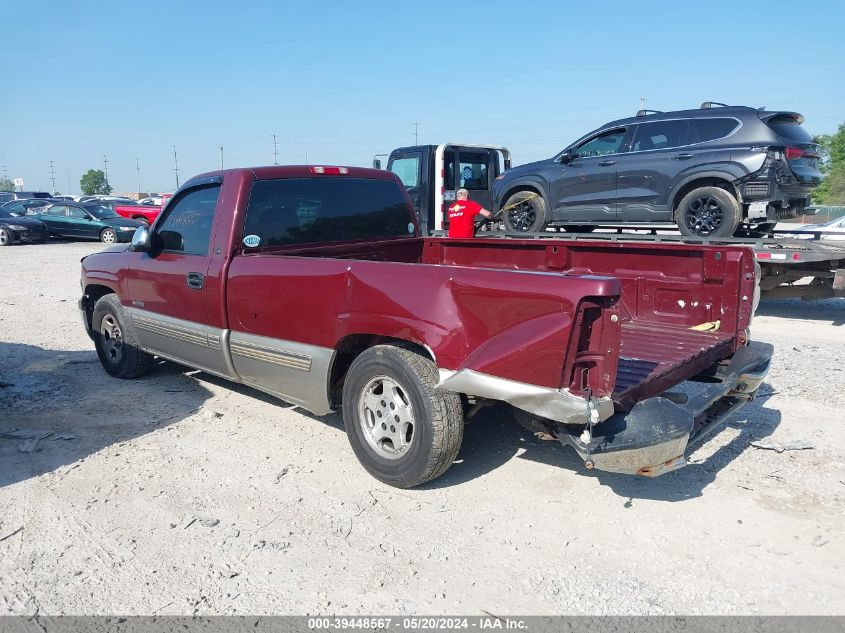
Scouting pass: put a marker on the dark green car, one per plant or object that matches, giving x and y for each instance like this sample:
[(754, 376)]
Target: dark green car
[(88, 222)]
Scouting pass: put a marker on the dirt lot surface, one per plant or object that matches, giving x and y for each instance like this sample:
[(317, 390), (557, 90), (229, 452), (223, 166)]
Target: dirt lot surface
[(179, 493)]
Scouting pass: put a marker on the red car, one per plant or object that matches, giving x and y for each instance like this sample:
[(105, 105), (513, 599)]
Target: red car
[(313, 284), (144, 213)]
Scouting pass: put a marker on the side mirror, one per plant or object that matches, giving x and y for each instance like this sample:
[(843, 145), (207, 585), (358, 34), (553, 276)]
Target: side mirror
[(141, 240), (170, 240), (565, 157), (376, 163)]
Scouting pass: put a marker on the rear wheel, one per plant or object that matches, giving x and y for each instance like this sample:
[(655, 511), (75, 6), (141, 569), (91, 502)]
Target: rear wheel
[(527, 215), (5, 237), (108, 236), (403, 429), (708, 212), (117, 347)]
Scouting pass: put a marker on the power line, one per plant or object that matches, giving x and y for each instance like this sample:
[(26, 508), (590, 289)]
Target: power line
[(275, 152), (416, 125), (176, 166), (53, 177)]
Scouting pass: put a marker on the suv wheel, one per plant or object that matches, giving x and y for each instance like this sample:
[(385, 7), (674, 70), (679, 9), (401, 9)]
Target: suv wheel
[(527, 215), (708, 212)]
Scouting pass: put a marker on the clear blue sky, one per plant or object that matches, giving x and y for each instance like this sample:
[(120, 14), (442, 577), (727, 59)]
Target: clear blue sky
[(344, 80)]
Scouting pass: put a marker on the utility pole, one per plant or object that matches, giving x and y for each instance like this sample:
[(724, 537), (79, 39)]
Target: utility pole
[(306, 156), (69, 191), (106, 166), (275, 152), (176, 166), (53, 177), (3, 169), (416, 125), (642, 103), (138, 169), (221, 157)]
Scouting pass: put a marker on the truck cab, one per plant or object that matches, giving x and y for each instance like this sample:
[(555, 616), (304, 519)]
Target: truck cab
[(433, 173)]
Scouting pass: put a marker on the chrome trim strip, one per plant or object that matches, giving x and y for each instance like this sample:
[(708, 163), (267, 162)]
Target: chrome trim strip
[(555, 404), (272, 355), (170, 330)]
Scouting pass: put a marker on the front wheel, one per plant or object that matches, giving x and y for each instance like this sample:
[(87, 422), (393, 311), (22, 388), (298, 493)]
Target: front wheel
[(708, 212), (108, 236), (527, 212), (117, 347), (5, 237), (403, 429)]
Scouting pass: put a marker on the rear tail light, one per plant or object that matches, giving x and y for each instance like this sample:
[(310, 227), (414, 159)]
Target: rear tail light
[(332, 171), (797, 152)]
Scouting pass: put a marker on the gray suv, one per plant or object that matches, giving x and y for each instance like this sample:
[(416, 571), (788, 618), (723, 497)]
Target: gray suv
[(713, 171)]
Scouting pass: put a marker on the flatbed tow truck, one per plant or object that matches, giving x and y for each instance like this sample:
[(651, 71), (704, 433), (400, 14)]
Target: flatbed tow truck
[(432, 173), (783, 260)]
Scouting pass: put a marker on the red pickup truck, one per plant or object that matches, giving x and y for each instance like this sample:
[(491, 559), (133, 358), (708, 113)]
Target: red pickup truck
[(144, 213), (313, 284)]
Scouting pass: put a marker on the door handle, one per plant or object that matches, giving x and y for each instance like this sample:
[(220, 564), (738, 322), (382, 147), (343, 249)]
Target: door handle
[(195, 280), (683, 156), (607, 163)]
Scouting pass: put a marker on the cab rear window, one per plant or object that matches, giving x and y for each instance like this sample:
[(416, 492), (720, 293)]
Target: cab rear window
[(324, 209)]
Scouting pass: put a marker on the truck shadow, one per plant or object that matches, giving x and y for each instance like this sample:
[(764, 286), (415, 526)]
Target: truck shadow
[(59, 407), (827, 309), (494, 438)]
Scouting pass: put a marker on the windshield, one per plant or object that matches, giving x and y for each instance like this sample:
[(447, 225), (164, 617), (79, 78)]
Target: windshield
[(101, 212)]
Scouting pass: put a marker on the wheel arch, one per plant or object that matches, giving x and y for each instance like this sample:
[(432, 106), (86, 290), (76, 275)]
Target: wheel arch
[(92, 293), (351, 346), (704, 179), (522, 185)]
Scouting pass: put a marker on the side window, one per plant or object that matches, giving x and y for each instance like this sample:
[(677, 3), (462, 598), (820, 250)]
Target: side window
[(407, 169), (662, 135), (325, 209), (76, 213), (187, 227), (608, 143), (714, 128), (57, 210), (449, 170), (473, 169)]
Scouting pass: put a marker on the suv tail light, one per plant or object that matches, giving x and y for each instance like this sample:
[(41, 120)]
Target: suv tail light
[(797, 152)]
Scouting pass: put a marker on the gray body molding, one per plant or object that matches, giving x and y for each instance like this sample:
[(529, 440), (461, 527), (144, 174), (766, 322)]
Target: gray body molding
[(295, 372)]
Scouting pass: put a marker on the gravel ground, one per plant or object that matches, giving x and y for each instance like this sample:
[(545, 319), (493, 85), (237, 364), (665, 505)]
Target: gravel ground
[(179, 493)]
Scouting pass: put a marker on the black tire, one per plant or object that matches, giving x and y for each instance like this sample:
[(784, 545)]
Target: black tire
[(108, 236), (436, 417), (115, 340), (6, 238), (528, 217), (579, 228), (708, 212)]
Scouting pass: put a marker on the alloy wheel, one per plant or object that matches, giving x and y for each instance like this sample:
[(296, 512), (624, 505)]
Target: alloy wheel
[(386, 417)]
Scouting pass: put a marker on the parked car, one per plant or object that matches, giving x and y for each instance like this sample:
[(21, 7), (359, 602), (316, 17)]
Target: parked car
[(27, 206), (709, 170), (87, 221), (112, 203), (8, 196), (314, 284), (17, 228), (142, 212)]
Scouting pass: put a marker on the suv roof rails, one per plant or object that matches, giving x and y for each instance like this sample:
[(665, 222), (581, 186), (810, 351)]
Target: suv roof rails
[(712, 104), (647, 112)]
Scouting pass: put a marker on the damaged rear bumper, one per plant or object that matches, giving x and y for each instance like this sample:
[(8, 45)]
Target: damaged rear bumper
[(653, 436)]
